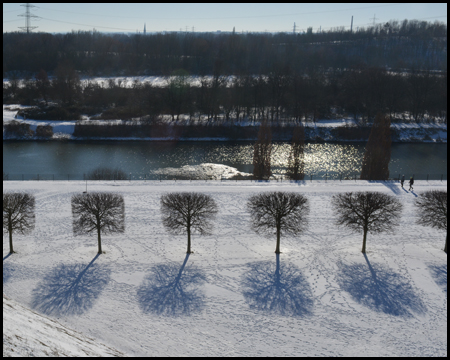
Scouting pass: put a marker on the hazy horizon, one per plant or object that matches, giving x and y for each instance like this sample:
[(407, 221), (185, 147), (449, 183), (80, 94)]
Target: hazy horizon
[(266, 17)]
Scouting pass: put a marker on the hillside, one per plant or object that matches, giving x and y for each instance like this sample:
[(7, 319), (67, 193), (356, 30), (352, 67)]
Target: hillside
[(26, 333)]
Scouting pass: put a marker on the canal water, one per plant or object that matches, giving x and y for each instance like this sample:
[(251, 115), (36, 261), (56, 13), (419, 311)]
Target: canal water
[(73, 159)]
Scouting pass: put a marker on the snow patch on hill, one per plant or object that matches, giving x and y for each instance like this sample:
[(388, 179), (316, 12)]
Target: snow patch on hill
[(26, 333)]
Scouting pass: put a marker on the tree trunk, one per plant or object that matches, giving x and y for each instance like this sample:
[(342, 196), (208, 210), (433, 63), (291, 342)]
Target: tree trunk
[(277, 269), (445, 247), (277, 250), (364, 242), (189, 240), (99, 241), (11, 250)]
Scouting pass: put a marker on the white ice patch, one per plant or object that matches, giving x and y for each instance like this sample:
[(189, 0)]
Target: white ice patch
[(206, 171)]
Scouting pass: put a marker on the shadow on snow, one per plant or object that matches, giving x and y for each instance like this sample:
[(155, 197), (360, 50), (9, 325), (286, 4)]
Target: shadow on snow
[(172, 290), (439, 275), (393, 185), (380, 289), (8, 271), (70, 289), (277, 288)]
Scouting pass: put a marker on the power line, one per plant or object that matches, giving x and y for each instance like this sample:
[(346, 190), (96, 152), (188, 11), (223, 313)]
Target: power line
[(92, 26), (232, 17), (7, 21)]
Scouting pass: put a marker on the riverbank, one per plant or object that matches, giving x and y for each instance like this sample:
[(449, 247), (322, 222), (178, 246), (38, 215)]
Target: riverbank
[(335, 130)]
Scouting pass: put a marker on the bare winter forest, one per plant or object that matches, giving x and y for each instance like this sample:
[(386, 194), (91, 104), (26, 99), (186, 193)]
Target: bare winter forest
[(399, 68)]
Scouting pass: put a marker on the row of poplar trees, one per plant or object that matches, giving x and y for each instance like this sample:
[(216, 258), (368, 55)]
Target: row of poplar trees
[(375, 165)]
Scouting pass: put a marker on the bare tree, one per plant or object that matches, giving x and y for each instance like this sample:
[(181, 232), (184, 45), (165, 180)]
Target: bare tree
[(100, 212), (18, 214), (262, 151), (296, 162), (368, 211), (279, 212), (432, 209), (188, 212), (377, 156)]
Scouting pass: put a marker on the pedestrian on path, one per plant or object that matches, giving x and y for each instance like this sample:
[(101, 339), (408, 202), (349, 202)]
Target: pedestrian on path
[(402, 180), (411, 183)]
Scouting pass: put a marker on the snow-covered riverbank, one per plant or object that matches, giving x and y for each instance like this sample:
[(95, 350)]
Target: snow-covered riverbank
[(322, 129), (145, 297)]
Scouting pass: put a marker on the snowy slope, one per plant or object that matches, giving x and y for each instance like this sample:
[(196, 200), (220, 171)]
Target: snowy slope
[(233, 296), (26, 333)]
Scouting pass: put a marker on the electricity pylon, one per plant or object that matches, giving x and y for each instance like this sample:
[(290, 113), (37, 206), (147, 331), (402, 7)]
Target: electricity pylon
[(28, 16)]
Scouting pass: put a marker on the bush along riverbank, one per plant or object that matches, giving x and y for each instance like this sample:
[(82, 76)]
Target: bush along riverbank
[(319, 131)]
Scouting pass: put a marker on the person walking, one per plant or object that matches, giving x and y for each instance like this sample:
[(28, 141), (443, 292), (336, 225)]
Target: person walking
[(402, 180), (411, 183)]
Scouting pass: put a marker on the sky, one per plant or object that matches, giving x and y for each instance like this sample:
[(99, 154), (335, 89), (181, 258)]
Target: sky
[(265, 17)]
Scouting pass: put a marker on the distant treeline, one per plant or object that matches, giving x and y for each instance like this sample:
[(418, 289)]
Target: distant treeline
[(396, 45), (280, 95)]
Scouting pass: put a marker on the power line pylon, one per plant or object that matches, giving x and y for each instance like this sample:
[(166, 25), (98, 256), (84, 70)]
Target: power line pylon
[(28, 16), (374, 18)]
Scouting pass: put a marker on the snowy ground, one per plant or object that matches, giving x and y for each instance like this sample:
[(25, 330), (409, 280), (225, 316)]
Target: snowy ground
[(145, 297)]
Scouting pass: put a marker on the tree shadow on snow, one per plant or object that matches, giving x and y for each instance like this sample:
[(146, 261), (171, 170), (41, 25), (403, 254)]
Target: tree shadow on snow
[(274, 288), (172, 291), (70, 289), (380, 289), (8, 270), (439, 274), (392, 185)]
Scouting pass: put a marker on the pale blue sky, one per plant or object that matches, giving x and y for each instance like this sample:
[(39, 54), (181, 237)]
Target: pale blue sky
[(114, 17)]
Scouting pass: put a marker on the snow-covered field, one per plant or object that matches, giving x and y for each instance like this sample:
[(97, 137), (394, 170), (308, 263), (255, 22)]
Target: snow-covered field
[(232, 296)]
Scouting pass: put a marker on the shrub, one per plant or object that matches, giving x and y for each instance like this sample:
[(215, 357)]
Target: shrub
[(105, 173), (45, 131), (16, 128)]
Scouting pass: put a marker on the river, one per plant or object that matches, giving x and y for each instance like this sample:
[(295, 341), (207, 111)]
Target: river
[(63, 160)]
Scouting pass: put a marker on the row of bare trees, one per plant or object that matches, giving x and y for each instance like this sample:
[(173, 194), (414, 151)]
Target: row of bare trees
[(280, 213), (280, 96)]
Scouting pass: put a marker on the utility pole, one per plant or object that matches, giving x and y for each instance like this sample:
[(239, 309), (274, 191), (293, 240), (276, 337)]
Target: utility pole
[(294, 28), (351, 25), (28, 16)]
